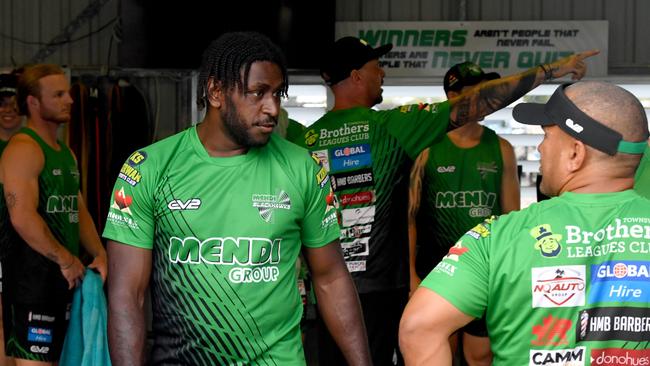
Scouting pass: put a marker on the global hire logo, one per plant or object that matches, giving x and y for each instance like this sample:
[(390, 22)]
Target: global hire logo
[(267, 203)]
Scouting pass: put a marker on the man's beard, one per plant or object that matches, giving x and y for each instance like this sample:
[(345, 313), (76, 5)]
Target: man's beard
[(48, 115), (237, 130)]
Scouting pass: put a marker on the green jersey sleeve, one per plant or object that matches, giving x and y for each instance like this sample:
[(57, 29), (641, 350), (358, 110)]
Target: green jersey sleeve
[(416, 127), (465, 270), (131, 216), (642, 178), (320, 226)]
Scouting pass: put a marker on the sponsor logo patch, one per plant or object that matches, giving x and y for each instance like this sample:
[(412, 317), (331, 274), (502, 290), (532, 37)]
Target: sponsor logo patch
[(620, 357), (40, 335), (137, 158), (356, 179), (355, 231), (552, 332), (311, 137), (627, 281), (613, 323), (547, 243), (356, 216), (267, 203), (446, 169), (356, 266), (350, 157), (485, 168), (359, 198), (456, 251), (39, 349), (559, 357), (355, 248), (353, 132), (558, 286), (122, 201), (321, 155), (181, 205)]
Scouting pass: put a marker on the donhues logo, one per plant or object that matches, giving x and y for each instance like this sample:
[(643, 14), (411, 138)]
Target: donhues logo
[(559, 357), (558, 286), (547, 243), (267, 203), (620, 357)]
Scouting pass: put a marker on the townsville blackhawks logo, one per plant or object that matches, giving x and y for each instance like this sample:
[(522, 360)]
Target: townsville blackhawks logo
[(267, 203)]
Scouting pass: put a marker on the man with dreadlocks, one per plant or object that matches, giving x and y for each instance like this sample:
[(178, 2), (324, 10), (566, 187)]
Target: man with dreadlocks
[(215, 216)]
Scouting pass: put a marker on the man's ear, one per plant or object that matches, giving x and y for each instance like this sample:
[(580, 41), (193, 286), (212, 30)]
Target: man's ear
[(32, 101), (577, 155), (215, 93)]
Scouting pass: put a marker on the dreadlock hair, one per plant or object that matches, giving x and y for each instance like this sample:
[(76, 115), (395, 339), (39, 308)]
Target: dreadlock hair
[(232, 53), (28, 83)]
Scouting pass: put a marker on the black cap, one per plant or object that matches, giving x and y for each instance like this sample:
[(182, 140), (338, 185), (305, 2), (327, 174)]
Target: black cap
[(8, 84), (560, 111), (465, 74), (347, 54)]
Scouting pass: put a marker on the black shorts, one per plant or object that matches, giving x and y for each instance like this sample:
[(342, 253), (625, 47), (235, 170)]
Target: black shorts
[(35, 332), (477, 328)]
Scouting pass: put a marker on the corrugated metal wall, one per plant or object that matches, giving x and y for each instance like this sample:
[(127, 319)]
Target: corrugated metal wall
[(629, 24), (26, 26)]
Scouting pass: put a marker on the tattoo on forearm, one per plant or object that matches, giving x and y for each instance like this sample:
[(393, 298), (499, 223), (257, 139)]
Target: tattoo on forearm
[(10, 199), (494, 96)]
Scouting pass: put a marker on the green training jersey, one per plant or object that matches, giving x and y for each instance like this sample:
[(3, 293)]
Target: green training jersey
[(369, 155), (460, 188), (58, 192), (642, 178), (563, 282), (225, 234), (3, 144)]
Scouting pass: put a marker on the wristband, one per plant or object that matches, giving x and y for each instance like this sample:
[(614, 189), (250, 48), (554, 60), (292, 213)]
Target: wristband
[(548, 73)]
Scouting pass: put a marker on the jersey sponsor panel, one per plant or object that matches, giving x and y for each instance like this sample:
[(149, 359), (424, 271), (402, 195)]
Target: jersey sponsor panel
[(347, 133), (358, 247), (613, 323), (552, 331), (322, 156), (350, 157), (356, 266), (359, 198), (355, 231), (619, 357), (561, 286), (356, 179), (356, 216), (616, 281), (559, 357)]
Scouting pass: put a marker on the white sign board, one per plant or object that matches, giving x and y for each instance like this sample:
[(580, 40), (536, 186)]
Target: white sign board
[(431, 48)]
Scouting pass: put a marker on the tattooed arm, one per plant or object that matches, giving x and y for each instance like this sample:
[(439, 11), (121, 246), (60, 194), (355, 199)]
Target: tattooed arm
[(22, 162), (129, 269), (415, 194), (493, 95)]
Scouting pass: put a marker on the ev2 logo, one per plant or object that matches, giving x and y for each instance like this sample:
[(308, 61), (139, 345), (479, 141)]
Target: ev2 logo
[(178, 204)]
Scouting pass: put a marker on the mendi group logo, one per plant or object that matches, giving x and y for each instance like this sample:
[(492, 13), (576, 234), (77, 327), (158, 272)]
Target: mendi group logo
[(250, 260)]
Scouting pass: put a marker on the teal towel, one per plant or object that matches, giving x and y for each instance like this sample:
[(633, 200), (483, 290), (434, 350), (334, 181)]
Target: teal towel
[(86, 342)]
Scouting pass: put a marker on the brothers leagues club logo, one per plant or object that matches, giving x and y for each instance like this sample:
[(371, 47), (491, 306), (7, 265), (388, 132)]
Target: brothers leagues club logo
[(547, 243), (267, 203)]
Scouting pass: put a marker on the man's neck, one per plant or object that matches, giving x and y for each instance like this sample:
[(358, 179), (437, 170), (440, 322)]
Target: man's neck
[(46, 130), (215, 139), (466, 136)]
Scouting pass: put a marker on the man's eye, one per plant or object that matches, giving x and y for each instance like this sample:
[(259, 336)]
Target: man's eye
[(256, 93)]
